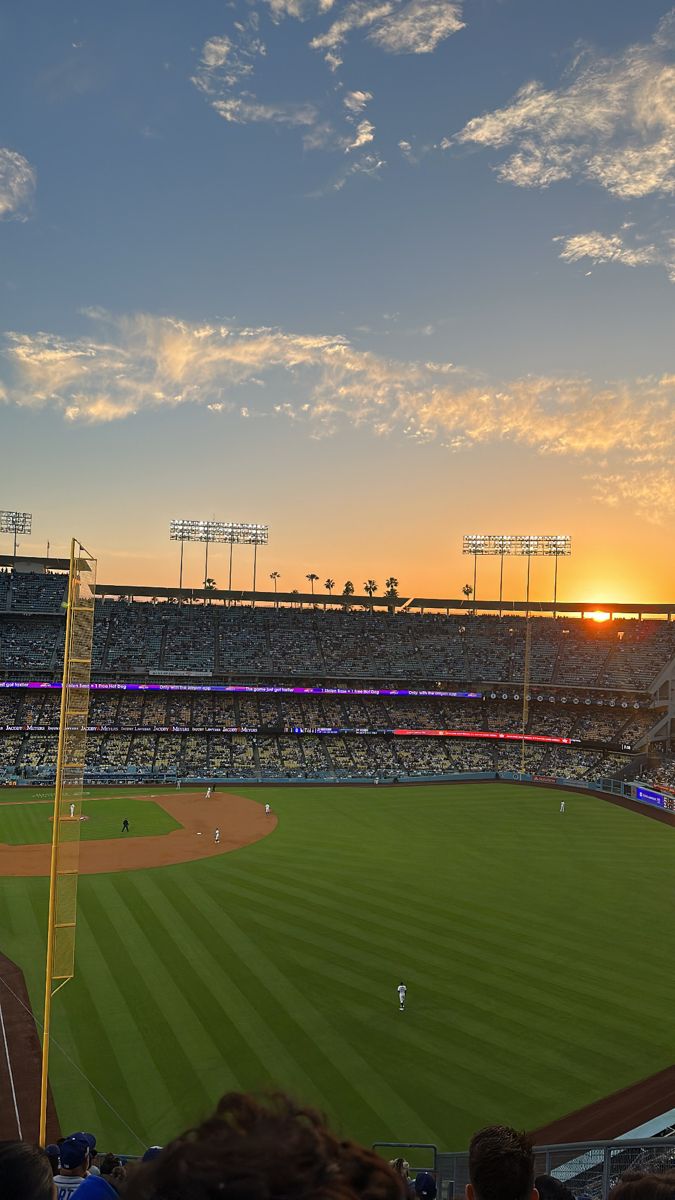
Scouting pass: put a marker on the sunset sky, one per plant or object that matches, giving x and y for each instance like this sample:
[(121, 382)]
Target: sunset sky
[(374, 272)]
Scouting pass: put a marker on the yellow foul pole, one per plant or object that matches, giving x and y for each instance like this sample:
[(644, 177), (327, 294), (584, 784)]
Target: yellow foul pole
[(54, 858)]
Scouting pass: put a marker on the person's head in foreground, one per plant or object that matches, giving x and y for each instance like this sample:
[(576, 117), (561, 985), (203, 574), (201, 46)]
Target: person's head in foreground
[(261, 1149), (550, 1188), (25, 1172), (645, 1187), (501, 1165)]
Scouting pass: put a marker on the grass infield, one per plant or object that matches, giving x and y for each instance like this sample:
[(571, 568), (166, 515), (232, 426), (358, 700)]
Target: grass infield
[(31, 823), (535, 947)]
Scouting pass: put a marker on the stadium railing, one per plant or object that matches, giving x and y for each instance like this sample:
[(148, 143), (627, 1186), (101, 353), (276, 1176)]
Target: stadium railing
[(587, 1168)]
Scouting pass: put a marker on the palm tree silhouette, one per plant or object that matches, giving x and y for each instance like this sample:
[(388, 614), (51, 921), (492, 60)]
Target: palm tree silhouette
[(312, 577), (370, 587), (392, 586), (329, 585), (274, 575)]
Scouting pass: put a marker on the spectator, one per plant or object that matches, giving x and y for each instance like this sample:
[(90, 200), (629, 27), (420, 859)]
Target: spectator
[(73, 1166), (25, 1172), (550, 1188), (501, 1165), (645, 1187), (107, 1184), (402, 1167), (252, 1149), (425, 1185)]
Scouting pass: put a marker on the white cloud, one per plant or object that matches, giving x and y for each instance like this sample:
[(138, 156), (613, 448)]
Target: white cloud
[(242, 110), (365, 132), (418, 27), (359, 14), (355, 102), (145, 362), (602, 248), (17, 186), (613, 123)]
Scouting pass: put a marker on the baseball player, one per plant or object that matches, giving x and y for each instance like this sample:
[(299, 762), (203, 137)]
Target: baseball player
[(562, 805), (72, 811), (125, 826), (401, 989), (267, 810), (208, 793), (216, 837)]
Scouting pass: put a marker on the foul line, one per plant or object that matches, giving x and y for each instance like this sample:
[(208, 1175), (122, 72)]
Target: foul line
[(11, 1073)]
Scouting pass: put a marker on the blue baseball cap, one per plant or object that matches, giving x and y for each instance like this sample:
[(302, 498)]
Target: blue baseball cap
[(425, 1185), (73, 1153), (88, 1138), (151, 1152)]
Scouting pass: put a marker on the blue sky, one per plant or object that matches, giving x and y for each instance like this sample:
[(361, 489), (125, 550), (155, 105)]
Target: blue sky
[(424, 250)]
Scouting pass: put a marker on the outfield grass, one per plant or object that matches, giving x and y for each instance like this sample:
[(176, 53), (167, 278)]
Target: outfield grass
[(31, 822), (535, 947)]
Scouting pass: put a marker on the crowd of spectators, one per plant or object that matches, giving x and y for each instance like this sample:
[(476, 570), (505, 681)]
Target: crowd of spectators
[(275, 1149), (140, 637)]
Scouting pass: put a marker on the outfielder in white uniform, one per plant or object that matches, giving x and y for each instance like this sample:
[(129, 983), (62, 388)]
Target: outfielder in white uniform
[(216, 836), (401, 989), (562, 805)]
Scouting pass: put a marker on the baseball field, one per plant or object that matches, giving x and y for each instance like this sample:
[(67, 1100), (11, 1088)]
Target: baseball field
[(534, 945)]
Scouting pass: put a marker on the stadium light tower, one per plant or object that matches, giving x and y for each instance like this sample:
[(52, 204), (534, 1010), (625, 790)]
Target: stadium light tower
[(246, 533), (15, 523), (529, 545)]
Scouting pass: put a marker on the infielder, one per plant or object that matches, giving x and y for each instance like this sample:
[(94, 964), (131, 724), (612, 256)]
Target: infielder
[(208, 793), (267, 810), (72, 810), (216, 837), (401, 989)]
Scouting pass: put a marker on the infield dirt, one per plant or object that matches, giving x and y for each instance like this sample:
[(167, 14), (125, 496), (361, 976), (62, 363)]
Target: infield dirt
[(241, 821)]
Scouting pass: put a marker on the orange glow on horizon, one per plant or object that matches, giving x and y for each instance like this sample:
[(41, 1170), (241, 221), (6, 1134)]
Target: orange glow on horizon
[(598, 616)]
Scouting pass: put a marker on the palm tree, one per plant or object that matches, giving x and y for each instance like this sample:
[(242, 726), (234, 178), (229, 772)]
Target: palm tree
[(312, 579), (468, 590), (348, 589), (392, 586), (209, 585), (370, 587), (274, 575), (329, 585)]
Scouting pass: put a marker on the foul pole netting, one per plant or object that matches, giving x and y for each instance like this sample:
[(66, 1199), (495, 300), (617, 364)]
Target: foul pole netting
[(70, 763)]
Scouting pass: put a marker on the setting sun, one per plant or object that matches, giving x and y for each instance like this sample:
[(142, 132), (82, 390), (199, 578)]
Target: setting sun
[(598, 616)]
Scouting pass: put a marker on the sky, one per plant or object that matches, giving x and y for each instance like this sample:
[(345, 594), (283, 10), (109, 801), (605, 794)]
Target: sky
[(377, 273)]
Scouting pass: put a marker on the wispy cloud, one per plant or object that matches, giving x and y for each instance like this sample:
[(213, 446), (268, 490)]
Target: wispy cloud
[(418, 27), (612, 122), (146, 362), (17, 186), (601, 248), (355, 102)]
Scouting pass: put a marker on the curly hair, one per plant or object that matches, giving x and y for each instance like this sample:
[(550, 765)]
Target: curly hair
[(263, 1149)]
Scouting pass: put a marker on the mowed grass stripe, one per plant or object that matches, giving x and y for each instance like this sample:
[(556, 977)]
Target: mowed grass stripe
[(358, 1073), (156, 1000), (244, 1005), (357, 926), (315, 1073)]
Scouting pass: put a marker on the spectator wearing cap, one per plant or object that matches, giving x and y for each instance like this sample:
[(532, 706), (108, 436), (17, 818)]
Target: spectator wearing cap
[(501, 1165), (425, 1185), (73, 1164), (89, 1140), (25, 1172), (52, 1152)]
